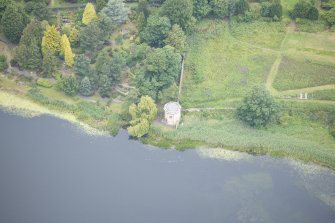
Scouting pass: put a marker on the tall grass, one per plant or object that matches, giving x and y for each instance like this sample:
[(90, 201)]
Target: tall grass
[(301, 73)]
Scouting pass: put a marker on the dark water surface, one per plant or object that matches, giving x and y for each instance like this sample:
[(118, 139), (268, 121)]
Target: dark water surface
[(51, 172)]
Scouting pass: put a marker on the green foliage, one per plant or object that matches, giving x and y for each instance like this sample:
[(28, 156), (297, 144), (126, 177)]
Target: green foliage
[(50, 64), (91, 37), (116, 11), (3, 6), (310, 26), (220, 8), (67, 51), (81, 65), (332, 130), (51, 41), (258, 109), (156, 30), (329, 16), (201, 8), (70, 85), (89, 14), (104, 86), (160, 70), (237, 7), (180, 12), (296, 74), (168, 94), (28, 54), (304, 9), (142, 115), (176, 38), (271, 9), (101, 4), (44, 83), (3, 62), (13, 21), (328, 95), (85, 87), (111, 66), (39, 10), (74, 36)]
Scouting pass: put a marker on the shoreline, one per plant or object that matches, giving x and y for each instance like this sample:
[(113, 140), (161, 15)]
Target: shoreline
[(24, 106)]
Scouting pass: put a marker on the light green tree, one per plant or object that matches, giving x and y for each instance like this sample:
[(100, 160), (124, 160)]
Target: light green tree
[(142, 116), (51, 41), (176, 38)]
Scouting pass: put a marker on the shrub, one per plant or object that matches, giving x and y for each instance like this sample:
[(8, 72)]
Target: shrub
[(44, 83), (3, 62), (305, 10), (258, 109), (70, 85)]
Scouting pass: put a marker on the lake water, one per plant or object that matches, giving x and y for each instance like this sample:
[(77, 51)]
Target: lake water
[(52, 172)]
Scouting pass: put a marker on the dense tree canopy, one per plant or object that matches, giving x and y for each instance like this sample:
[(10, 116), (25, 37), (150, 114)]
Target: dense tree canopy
[(160, 70), (201, 8), (176, 38), (180, 12), (156, 30), (304, 9), (258, 109)]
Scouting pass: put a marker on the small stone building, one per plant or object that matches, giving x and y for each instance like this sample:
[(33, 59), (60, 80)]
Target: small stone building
[(172, 113)]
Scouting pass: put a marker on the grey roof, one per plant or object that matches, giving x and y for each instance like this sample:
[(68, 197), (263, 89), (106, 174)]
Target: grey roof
[(172, 107)]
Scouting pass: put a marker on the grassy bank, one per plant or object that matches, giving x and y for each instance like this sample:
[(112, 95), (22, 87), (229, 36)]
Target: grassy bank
[(297, 137), (31, 101)]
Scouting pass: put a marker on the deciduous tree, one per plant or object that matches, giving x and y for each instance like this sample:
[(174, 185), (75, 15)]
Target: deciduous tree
[(176, 38), (156, 30), (142, 116), (258, 109)]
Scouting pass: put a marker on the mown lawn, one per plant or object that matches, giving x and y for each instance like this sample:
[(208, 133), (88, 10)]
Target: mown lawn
[(302, 73), (218, 67), (328, 95)]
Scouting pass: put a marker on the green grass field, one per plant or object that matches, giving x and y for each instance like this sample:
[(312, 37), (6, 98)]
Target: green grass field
[(301, 73), (219, 68), (260, 34)]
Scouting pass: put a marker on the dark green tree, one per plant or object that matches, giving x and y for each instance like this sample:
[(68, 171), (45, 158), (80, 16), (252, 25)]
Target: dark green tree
[(50, 64), (13, 21), (81, 65), (180, 12), (201, 8), (110, 65), (91, 37), (156, 30), (3, 5), (85, 87), (28, 54), (220, 8), (104, 86), (304, 9), (258, 109), (101, 4), (161, 69), (39, 10), (70, 85)]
